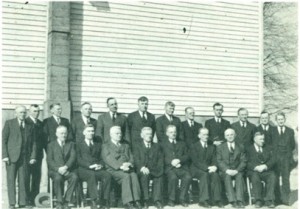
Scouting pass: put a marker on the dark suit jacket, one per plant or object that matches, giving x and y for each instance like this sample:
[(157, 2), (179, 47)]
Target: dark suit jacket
[(50, 125), (78, 126), (114, 156), (105, 122), (41, 142), (190, 134), (180, 152), (12, 143), (161, 124), (57, 158), (216, 130), (223, 156), (254, 159), (87, 157), (151, 158), (136, 123), (286, 142), (244, 135), (267, 134), (200, 159)]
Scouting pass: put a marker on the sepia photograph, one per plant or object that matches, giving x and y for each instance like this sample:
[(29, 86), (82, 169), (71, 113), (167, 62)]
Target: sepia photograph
[(149, 104)]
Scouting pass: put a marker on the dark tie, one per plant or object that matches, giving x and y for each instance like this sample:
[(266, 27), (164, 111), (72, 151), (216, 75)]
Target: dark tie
[(171, 118), (62, 148), (22, 125), (192, 123), (281, 130), (91, 146), (88, 121), (58, 120), (114, 117), (205, 148), (174, 145), (144, 117), (231, 148), (244, 124), (260, 155)]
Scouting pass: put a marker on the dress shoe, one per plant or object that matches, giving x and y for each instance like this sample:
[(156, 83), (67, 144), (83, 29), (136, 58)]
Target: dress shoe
[(270, 204), (285, 203), (93, 204), (240, 204), (12, 207), (234, 204), (204, 204), (129, 206), (171, 203), (146, 205), (158, 205), (219, 204), (258, 204), (184, 204), (105, 205), (59, 206), (138, 205), (66, 206)]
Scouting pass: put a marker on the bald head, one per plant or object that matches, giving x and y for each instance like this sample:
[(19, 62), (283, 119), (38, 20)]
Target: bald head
[(61, 133), (115, 133), (146, 134), (20, 112), (229, 135)]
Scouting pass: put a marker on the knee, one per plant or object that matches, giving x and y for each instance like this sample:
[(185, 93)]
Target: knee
[(172, 178), (215, 177), (74, 177), (255, 177), (58, 178), (187, 177), (107, 177)]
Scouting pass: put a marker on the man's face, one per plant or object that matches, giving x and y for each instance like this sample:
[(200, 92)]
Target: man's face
[(143, 106), (21, 113), (259, 140), (264, 119), (170, 110), (61, 134), (147, 135), (112, 105), (203, 135), (171, 133), (56, 110), (89, 133), (34, 112), (280, 119), (116, 135), (243, 115), (229, 135), (218, 110), (86, 110), (190, 114)]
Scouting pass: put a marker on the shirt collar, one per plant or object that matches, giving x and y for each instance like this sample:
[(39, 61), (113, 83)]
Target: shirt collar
[(279, 129), (217, 119), (203, 143), (141, 114), (168, 116), (146, 144), (257, 147), (190, 121), (111, 114), (266, 127), (88, 142), (116, 143), (59, 142), (171, 141), (21, 121), (55, 117), (84, 118), (231, 144), (241, 122), (33, 119)]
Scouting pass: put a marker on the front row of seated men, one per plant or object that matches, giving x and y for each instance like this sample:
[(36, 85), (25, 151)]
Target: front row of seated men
[(151, 161)]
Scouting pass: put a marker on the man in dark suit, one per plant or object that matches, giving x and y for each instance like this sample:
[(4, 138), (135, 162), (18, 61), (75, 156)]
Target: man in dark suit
[(119, 161), (18, 152), (283, 144), (91, 167), (165, 120), (176, 158), (217, 126), (190, 127), (260, 167), (204, 168), (231, 161), (50, 124), (138, 120), (79, 122), (61, 160), (265, 127), (110, 119), (149, 164), (35, 170), (244, 129)]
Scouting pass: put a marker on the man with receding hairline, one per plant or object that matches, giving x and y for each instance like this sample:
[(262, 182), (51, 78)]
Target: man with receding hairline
[(18, 152)]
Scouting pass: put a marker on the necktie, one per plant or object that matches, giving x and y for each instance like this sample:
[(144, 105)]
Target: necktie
[(205, 147), (22, 125), (58, 120), (144, 117), (174, 145), (244, 124), (171, 118), (88, 121), (62, 147), (192, 123), (114, 117), (90, 146), (231, 148), (281, 130), (264, 127)]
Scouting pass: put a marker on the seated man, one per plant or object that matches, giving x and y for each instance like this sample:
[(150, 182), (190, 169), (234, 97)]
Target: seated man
[(91, 168), (260, 167), (231, 161), (176, 166), (61, 159), (150, 165), (119, 161), (204, 168)]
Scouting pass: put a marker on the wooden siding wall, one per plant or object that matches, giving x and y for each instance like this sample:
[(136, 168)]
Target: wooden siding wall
[(24, 39), (194, 54)]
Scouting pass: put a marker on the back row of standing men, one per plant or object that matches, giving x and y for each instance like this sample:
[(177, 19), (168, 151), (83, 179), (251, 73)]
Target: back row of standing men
[(281, 137)]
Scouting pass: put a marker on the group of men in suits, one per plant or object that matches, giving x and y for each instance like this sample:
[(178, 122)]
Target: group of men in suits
[(120, 148)]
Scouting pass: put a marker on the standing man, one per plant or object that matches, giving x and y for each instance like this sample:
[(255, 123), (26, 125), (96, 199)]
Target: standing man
[(81, 121), (138, 120), (176, 159), (165, 120), (204, 168), (119, 161), (61, 160), (35, 170), (150, 165), (283, 144), (190, 127), (91, 167), (217, 126), (18, 152), (265, 127), (50, 124), (260, 168), (110, 119), (231, 161), (244, 129)]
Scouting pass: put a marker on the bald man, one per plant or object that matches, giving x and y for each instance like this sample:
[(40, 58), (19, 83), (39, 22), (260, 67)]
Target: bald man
[(18, 152)]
